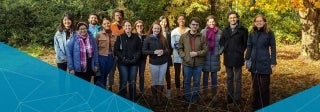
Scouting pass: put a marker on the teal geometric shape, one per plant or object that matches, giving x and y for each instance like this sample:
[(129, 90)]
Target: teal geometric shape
[(305, 101), (28, 84)]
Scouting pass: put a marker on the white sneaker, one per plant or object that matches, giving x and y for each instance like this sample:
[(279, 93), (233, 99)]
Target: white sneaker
[(168, 93)]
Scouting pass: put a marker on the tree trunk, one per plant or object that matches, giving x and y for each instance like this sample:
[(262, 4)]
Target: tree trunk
[(213, 7), (310, 35)]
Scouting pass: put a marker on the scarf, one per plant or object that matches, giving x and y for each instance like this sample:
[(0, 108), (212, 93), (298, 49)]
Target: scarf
[(211, 37), (85, 50)]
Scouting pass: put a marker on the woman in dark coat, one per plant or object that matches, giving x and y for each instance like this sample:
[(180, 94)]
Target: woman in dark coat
[(138, 28), (212, 60), (261, 51)]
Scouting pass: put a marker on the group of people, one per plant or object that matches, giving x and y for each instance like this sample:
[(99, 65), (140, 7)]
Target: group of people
[(90, 50)]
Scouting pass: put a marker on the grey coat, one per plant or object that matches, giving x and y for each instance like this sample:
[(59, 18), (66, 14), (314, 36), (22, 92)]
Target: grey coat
[(212, 60)]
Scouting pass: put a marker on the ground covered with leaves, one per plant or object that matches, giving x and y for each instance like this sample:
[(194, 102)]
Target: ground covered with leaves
[(291, 75)]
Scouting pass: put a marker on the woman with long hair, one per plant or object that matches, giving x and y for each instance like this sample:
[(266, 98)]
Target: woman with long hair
[(164, 22), (64, 32), (156, 47)]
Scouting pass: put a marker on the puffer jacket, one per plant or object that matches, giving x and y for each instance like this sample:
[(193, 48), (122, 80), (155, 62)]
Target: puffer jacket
[(212, 60)]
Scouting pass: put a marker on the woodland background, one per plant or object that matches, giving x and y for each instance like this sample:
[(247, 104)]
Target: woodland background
[(30, 26)]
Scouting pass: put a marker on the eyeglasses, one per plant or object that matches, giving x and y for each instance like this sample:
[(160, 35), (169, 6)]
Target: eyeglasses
[(195, 24)]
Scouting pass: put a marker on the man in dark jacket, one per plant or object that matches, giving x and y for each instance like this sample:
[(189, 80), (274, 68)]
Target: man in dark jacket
[(234, 40)]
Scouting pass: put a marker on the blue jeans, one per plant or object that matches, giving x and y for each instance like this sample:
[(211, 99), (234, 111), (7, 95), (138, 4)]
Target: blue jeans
[(205, 79), (105, 63), (128, 73), (142, 67), (192, 73)]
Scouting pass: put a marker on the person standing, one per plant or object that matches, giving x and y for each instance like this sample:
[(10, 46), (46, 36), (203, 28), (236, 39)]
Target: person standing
[(105, 40), (94, 28), (65, 31), (175, 37), (82, 54), (164, 22), (117, 30), (117, 25), (156, 46), (192, 49), (261, 51), (139, 29), (212, 60), (234, 42), (128, 50)]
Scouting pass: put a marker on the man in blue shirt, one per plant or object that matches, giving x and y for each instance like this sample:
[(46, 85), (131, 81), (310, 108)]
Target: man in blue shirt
[(94, 28)]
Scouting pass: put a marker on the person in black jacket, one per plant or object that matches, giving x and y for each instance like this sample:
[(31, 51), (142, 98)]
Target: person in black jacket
[(156, 46), (139, 29), (127, 49), (261, 51), (164, 22), (234, 42)]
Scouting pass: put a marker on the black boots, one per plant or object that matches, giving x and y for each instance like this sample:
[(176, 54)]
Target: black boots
[(157, 91), (154, 94)]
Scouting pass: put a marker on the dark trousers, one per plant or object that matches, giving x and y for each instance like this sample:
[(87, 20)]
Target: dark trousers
[(177, 71), (234, 74), (87, 74), (261, 90), (62, 66), (141, 68), (168, 78), (105, 63)]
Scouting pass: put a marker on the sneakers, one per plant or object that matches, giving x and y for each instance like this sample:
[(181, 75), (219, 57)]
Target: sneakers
[(168, 93)]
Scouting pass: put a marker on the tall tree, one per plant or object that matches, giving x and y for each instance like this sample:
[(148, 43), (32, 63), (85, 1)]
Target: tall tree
[(309, 12), (309, 15)]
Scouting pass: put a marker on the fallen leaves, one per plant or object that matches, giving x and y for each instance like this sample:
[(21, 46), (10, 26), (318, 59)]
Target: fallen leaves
[(291, 75)]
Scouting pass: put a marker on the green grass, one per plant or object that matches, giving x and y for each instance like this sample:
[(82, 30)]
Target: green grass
[(35, 50)]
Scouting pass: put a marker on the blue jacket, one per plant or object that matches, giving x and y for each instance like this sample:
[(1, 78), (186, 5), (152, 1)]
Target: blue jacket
[(73, 54), (60, 46), (262, 51)]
